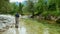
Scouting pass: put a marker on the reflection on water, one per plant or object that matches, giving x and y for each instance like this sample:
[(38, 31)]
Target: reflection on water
[(21, 30), (16, 31)]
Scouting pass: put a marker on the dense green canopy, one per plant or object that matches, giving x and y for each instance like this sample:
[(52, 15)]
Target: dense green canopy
[(43, 7)]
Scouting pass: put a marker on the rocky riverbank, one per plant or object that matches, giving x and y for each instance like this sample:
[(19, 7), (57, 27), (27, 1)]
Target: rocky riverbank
[(6, 21)]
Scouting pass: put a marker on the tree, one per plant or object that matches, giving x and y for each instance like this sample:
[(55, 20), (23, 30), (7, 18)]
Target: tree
[(30, 7), (14, 8), (54, 5), (40, 7), (4, 6), (20, 8)]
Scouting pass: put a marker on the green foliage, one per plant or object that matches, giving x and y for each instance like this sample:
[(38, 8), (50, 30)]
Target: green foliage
[(52, 7), (20, 8), (25, 11), (14, 8), (5, 6), (43, 7), (30, 6)]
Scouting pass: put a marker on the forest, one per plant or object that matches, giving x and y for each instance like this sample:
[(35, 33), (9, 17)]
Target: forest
[(43, 9)]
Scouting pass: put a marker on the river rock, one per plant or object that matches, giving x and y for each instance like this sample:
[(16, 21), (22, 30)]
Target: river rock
[(6, 20)]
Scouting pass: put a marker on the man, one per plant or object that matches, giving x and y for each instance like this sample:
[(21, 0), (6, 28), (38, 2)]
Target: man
[(17, 20)]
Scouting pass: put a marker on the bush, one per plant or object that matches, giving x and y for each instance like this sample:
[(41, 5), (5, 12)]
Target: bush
[(58, 21)]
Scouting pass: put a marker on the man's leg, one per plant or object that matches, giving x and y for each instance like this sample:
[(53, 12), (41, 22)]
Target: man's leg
[(17, 21)]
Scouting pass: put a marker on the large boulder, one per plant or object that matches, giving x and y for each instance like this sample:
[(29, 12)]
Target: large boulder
[(6, 20)]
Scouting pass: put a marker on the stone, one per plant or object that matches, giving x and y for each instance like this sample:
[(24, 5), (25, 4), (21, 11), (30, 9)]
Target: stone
[(6, 20)]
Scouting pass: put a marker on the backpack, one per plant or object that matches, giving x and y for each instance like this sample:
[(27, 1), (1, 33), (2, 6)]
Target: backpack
[(17, 15)]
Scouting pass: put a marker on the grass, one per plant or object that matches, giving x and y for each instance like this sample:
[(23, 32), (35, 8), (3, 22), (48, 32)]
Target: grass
[(35, 27)]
